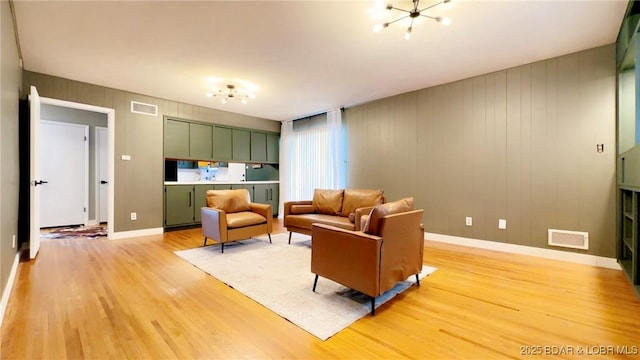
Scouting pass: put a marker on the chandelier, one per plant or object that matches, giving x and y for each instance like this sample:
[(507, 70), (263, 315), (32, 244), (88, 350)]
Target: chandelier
[(412, 14), (232, 93)]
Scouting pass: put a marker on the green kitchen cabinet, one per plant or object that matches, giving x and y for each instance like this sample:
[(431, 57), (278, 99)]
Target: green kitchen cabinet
[(176, 139), (273, 148), (200, 141), (264, 147), (267, 194), (222, 187), (241, 144), (187, 140), (222, 143), (179, 205)]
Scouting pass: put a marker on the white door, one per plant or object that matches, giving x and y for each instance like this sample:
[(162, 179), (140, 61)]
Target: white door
[(34, 171), (102, 173), (64, 166)]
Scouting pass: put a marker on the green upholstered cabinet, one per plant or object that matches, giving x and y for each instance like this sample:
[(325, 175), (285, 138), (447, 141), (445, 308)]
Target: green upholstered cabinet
[(178, 205), (241, 143), (222, 143), (176, 139)]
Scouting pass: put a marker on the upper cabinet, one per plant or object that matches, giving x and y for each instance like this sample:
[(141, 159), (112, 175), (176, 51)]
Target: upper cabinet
[(185, 140), (264, 147), (190, 140), (241, 145)]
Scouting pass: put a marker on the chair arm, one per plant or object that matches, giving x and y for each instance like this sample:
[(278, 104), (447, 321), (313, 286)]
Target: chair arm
[(288, 204), (266, 211), (351, 258), (359, 213), (214, 223)]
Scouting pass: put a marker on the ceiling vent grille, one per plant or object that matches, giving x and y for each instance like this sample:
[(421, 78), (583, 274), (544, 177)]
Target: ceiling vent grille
[(142, 108), (569, 239)]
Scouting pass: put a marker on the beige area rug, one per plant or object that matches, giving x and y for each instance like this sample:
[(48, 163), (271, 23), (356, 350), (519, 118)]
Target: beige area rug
[(278, 276)]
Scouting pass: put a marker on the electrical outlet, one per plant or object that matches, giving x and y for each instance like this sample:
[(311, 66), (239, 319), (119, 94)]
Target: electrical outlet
[(502, 224), (134, 216), (14, 242), (468, 221)]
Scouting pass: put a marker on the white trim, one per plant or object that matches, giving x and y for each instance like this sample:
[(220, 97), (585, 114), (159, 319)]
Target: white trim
[(9, 287), (136, 233), (111, 124), (585, 259)]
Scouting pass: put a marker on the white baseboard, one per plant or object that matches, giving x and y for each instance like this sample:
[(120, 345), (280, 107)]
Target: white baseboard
[(585, 259), (135, 233), (7, 289)]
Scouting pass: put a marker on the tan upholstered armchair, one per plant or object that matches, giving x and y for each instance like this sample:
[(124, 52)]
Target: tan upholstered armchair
[(389, 250), (230, 216)]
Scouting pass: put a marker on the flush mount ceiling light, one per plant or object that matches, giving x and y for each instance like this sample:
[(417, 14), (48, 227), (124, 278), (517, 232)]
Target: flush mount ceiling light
[(231, 92), (412, 14)]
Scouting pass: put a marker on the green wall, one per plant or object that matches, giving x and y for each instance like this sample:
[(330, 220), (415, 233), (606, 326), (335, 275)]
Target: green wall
[(138, 182), (517, 144), (10, 81)]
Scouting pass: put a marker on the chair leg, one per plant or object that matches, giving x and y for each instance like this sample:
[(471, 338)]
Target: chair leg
[(290, 237), (373, 306), (270, 238), (417, 280), (205, 241), (315, 282), (222, 248)]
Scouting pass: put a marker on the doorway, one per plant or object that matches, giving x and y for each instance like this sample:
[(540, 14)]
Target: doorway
[(35, 181)]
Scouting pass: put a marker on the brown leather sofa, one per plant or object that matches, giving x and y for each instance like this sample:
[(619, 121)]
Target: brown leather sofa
[(389, 250), (230, 216), (340, 208)]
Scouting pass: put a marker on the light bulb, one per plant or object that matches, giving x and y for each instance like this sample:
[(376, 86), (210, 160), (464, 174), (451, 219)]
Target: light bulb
[(209, 94), (407, 35), (224, 100), (252, 96), (377, 28), (445, 21), (244, 101)]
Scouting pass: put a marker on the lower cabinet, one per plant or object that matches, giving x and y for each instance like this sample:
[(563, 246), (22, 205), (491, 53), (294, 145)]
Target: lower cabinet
[(182, 203), (267, 194)]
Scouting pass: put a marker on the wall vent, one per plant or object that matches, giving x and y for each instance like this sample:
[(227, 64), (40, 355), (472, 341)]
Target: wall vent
[(569, 239), (142, 108)]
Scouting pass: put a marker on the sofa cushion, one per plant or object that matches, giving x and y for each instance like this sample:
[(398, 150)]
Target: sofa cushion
[(357, 198), (305, 221), (302, 209), (327, 202), (231, 201), (373, 224), (244, 218)]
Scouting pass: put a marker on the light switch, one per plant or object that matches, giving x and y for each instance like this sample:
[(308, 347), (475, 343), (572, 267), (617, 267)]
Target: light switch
[(126, 157), (502, 224)]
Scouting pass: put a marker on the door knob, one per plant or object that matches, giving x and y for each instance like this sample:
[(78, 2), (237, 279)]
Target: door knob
[(39, 182), (103, 182)]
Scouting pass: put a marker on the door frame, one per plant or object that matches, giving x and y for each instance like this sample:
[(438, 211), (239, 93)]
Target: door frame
[(85, 180), (111, 127), (98, 156)]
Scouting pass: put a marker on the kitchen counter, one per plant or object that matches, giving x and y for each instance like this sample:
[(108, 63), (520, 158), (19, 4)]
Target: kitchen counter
[(219, 182)]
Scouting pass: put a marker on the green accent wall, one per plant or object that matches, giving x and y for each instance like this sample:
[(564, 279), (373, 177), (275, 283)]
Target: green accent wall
[(517, 144)]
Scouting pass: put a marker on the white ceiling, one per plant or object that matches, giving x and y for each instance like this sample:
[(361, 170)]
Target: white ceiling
[(306, 56)]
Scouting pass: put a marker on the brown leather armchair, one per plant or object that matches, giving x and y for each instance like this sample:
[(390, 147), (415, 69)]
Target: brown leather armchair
[(389, 250), (230, 216)]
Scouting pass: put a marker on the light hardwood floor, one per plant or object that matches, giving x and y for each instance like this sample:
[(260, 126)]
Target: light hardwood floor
[(135, 299)]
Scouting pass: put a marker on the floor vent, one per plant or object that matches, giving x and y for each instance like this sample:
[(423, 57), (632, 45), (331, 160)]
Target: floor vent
[(142, 108), (569, 239)]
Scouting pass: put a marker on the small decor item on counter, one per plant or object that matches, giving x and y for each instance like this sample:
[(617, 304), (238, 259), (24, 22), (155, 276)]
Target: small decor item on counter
[(208, 173)]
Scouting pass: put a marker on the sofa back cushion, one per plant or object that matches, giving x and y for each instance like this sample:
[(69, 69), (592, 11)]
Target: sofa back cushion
[(231, 201), (357, 198), (372, 226), (327, 202)]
